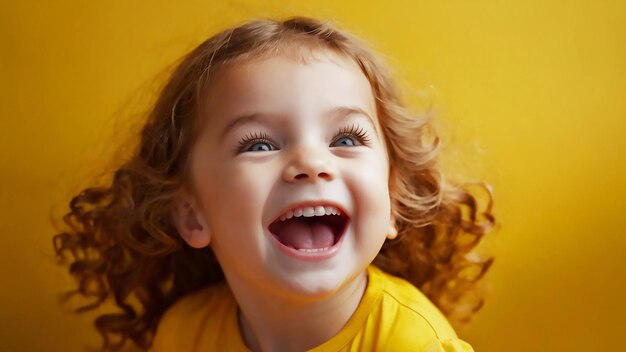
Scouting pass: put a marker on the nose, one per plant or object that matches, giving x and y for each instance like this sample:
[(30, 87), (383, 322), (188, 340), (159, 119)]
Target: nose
[(308, 164)]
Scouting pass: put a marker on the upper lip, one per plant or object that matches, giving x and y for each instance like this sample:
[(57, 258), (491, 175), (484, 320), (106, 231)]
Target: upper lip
[(312, 203)]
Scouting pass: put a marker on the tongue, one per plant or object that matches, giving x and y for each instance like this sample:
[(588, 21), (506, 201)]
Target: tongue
[(304, 235)]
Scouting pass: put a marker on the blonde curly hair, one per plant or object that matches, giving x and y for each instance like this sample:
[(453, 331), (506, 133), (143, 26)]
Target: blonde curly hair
[(120, 242)]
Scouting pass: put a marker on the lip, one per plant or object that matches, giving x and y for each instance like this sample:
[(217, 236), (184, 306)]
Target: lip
[(314, 256)]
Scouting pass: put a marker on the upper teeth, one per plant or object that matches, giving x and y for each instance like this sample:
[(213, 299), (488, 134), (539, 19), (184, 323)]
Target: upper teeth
[(308, 212)]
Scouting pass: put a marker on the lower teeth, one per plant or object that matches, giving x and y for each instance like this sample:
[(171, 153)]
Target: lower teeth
[(313, 250)]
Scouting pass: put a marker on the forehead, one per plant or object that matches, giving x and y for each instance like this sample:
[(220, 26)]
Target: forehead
[(287, 85)]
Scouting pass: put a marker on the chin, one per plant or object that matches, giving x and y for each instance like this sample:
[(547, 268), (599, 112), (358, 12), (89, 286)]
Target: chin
[(315, 285)]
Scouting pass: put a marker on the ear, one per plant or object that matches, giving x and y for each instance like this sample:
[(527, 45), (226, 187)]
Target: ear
[(392, 232), (190, 221)]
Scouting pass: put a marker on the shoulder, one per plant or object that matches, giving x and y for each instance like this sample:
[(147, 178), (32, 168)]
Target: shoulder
[(414, 319), (178, 328), (410, 303)]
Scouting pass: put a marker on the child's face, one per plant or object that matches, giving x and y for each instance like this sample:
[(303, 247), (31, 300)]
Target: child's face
[(294, 112)]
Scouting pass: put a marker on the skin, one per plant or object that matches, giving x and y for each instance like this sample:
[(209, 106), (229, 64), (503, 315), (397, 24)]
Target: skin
[(285, 303)]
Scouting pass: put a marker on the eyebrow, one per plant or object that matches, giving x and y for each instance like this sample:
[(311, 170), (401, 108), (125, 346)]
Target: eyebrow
[(334, 113), (345, 111)]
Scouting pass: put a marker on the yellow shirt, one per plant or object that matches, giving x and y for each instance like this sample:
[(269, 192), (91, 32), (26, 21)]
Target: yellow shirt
[(393, 315)]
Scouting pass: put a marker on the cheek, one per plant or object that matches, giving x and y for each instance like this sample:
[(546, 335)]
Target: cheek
[(371, 196), (371, 191), (375, 174), (236, 198), (374, 198)]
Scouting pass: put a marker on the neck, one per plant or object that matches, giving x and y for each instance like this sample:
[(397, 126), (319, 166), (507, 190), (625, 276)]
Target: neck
[(271, 323)]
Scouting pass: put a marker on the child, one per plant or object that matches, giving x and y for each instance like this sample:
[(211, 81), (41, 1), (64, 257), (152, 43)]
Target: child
[(277, 165)]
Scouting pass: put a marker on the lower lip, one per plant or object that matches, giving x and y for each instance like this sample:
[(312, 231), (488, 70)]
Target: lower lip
[(310, 256)]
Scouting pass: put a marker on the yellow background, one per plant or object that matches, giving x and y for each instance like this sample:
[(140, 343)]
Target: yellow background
[(530, 97)]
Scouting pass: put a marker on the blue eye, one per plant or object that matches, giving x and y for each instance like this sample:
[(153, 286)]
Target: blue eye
[(257, 142), (265, 147), (347, 141), (351, 137)]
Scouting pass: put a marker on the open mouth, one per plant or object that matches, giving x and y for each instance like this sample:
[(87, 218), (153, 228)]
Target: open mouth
[(310, 234)]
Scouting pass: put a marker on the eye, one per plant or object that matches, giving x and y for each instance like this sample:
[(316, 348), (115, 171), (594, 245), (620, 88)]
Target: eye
[(351, 136), (345, 141), (260, 147), (257, 142)]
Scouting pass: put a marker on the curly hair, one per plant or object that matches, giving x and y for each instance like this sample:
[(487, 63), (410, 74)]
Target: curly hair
[(120, 242)]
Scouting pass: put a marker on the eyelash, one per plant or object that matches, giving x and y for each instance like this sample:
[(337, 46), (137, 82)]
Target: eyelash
[(250, 139), (261, 137), (355, 131)]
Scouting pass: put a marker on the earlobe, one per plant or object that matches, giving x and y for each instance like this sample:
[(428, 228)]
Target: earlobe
[(392, 232), (190, 222)]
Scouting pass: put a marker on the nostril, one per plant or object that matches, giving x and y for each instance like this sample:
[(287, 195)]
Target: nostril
[(324, 175), (305, 176)]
